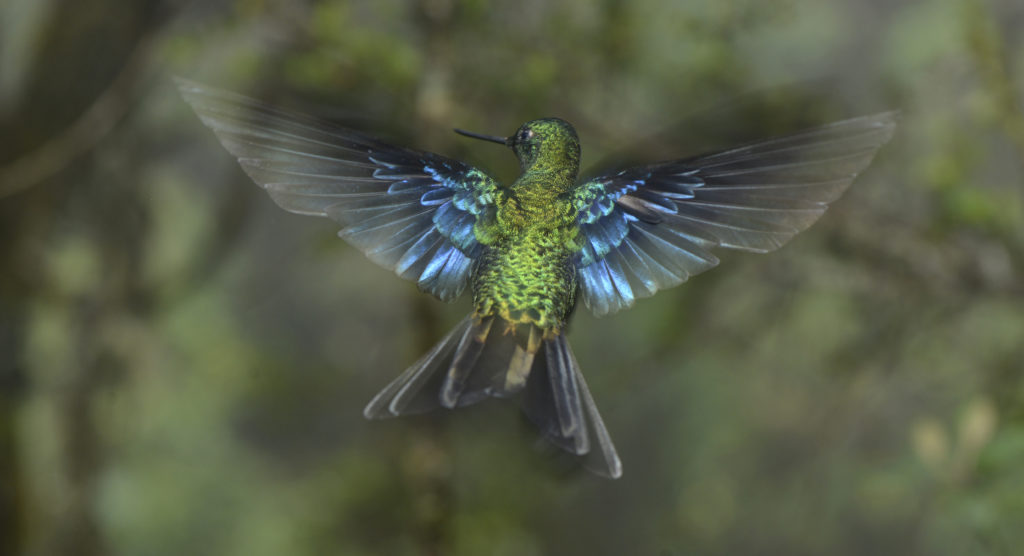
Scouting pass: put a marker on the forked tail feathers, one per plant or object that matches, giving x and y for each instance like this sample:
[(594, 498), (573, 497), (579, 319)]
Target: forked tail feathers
[(488, 357)]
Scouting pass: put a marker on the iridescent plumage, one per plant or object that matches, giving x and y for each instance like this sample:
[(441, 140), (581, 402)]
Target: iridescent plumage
[(527, 250)]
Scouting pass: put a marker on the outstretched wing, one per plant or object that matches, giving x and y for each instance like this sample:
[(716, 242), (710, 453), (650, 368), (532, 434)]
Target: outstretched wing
[(409, 211), (650, 228)]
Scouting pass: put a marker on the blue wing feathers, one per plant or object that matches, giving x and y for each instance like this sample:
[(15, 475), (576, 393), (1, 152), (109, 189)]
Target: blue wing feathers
[(447, 274), (656, 225), (435, 196), (412, 263), (457, 226), (644, 282), (619, 279), (410, 211)]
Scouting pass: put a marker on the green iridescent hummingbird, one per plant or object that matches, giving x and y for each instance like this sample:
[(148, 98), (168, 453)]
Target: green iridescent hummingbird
[(529, 250)]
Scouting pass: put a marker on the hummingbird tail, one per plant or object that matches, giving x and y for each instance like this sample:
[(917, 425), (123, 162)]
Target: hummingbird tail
[(490, 357), (558, 401)]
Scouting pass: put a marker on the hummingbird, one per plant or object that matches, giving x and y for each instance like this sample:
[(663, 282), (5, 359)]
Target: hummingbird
[(529, 250)]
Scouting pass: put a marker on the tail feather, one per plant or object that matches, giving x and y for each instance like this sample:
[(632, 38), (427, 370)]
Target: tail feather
[(466, 355), (490, 358), (555, 386), (555, 399), (408, 393), (606, 463)]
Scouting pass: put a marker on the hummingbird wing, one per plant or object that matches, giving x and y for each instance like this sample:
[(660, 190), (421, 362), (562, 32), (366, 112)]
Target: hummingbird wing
[(652, 227), (410, 211)]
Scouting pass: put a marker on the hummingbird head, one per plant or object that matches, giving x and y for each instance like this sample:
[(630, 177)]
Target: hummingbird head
[(549, 141), (545, 143)]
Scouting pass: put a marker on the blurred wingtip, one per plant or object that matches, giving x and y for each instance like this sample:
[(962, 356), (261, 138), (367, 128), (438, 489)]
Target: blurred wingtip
[(187, 86), (886, 119), (885, 122)]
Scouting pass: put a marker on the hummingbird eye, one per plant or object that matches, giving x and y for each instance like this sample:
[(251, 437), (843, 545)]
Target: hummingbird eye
[(524, 136)]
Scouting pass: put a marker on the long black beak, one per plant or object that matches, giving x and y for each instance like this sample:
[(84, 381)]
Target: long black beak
[(491, 138)]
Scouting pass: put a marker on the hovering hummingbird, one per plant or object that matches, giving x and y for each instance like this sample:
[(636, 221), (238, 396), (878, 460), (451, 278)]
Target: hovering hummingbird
[(529, 250)]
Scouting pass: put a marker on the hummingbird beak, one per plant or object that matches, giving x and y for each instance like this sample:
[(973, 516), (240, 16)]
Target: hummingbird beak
[(492, 138)]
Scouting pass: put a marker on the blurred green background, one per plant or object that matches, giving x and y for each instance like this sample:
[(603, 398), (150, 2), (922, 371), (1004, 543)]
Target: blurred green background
[(183, 365)]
